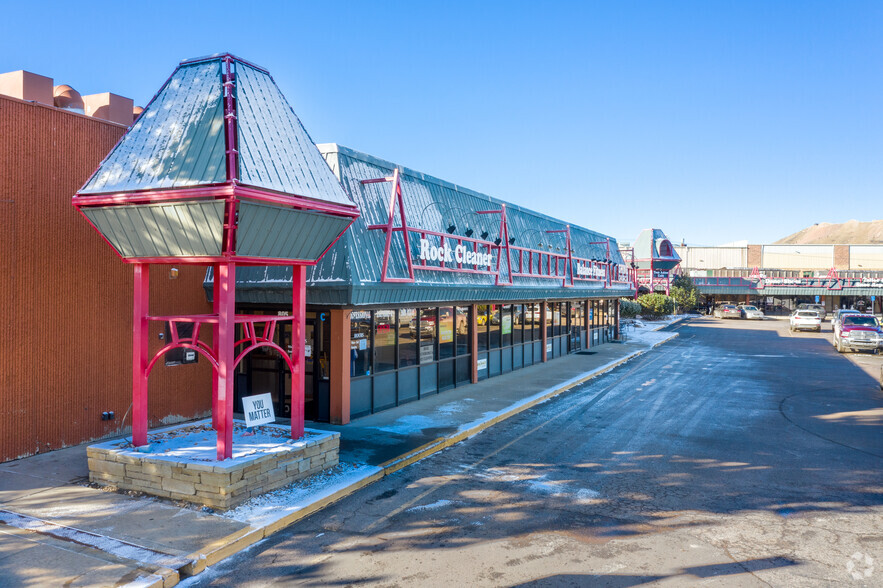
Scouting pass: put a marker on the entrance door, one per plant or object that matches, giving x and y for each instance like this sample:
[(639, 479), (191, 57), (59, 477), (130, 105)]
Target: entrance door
[(317, 383)]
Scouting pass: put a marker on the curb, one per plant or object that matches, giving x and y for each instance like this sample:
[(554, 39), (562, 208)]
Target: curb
[(244, 538)]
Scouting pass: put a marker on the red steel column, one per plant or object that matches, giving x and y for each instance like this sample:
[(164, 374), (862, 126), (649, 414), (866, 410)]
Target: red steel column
[(216, 289), (226, 357), (544, 335), (140, 310), (298, 332)]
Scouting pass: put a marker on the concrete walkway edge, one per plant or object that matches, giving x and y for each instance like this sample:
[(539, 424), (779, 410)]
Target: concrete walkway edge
[(239, 541)]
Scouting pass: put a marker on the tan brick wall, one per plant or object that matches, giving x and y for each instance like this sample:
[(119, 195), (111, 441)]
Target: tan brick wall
[(219, 486), (755, 255), (841, 257)]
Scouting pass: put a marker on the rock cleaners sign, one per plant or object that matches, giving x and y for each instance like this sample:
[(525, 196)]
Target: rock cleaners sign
[(459, 254), (258, 410)]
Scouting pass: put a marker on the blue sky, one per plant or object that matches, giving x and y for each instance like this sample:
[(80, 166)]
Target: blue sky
[(714, 121)]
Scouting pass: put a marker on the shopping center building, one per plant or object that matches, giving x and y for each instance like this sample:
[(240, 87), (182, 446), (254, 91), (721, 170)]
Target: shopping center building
[(779, 277), (433, 287), (444, 288)]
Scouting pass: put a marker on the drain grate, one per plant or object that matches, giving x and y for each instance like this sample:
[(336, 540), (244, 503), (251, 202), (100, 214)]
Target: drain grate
[(586, 352)]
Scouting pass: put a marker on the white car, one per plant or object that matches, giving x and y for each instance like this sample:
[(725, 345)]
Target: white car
[(806, 320), (751, 312)]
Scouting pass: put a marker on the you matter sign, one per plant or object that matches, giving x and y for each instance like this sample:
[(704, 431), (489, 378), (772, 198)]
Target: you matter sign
[(258, 409)]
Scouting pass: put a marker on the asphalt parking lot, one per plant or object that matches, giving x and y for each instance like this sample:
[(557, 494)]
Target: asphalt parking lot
[(739, 454), (870, 363)]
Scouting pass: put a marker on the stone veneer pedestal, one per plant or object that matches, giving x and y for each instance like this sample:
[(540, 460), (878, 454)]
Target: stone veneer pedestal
[(222, 485)]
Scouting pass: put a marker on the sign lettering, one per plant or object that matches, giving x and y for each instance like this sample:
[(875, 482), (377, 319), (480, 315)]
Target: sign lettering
[(460, 254), (258, 409)]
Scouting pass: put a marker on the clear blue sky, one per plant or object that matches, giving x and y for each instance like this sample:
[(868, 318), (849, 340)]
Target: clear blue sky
[(714, 121)]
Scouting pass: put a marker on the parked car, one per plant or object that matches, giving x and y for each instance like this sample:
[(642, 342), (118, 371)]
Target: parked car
[(838, 316), (727, 311), (805, 320), (751, 312), (858, 332), (819, 308)]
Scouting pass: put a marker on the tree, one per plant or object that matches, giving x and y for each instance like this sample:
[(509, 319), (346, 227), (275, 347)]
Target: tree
[(684, 292), (656, 305)]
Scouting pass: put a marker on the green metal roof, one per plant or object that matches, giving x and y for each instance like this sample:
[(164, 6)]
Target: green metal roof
[(178, 141), (350, 273)]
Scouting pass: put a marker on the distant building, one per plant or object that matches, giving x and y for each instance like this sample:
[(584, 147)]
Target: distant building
[(781, 276)]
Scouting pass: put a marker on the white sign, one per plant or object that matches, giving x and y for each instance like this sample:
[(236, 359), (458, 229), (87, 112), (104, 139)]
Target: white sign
[(589, 271), (548, 348), (258, 409), (427, 353), (482, 364), (308, 351), (459, 254)]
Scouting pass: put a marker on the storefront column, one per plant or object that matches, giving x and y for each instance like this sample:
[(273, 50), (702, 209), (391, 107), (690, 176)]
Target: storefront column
[(473, 340), (298, 339), (140, 338), (340, 367), (543, 331), (616, 319)]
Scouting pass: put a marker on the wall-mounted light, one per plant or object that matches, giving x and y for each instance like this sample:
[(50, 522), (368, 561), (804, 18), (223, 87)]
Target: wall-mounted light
[(173, 273), (497, 241), (469, 232), (451, 228), (484, 234), (511, 240)]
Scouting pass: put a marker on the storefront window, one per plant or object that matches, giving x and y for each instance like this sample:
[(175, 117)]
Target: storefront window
[(576, 315), (518, 324), (506, 325), (462, 330), (494, 320), (428, 320), (482, 319), (384, 340), (557, 313), (548, 319), (445, 332), (535, 320), (407, 337), (360, 343)]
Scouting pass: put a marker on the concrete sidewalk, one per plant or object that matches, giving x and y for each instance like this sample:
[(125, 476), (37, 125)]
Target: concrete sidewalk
[(55, 529)]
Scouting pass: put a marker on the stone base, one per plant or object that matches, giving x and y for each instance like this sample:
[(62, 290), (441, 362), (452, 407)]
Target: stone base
[(224, 484)]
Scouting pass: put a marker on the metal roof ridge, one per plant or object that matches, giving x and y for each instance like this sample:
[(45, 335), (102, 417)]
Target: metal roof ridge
[(371, 159), (220, 56)]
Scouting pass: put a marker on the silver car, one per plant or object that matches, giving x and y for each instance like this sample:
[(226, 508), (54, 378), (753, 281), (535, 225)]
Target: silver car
[(751, 312)]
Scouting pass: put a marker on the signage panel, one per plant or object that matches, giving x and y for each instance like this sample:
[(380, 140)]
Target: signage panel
[(258, 409), (482, 364)]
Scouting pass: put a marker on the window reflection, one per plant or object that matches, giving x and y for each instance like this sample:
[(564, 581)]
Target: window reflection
[(384, 340), (446, 332), (428, 319), (462, 330), (505, 314), (360, 343), (407, 337)]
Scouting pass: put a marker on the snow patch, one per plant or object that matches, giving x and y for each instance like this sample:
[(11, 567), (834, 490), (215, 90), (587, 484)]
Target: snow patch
[(272, 506), (435, 505)]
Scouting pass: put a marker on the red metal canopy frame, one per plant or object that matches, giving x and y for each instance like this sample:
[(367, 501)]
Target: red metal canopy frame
[(222, 354), (527, 262)]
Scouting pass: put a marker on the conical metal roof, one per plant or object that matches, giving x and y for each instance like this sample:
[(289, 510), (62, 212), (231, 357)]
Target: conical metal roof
[(179, 140)]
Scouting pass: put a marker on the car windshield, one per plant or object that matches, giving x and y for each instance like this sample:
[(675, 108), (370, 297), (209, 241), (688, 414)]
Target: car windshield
[(860, 321), (807, 314)]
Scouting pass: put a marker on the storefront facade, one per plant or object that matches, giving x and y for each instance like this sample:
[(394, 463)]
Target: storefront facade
[(445, 288)]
